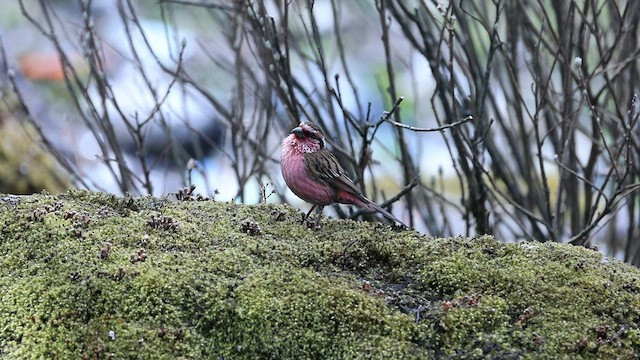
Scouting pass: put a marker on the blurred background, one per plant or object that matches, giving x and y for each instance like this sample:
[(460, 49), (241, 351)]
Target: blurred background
[(513, 118)]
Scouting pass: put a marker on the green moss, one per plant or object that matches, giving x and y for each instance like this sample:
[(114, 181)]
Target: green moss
[(93, 275)]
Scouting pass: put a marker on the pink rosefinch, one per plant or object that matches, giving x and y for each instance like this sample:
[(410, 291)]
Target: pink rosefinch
[(314, 174)]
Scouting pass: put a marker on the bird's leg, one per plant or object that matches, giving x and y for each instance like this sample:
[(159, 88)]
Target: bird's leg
[(318, 215), (309, 213)]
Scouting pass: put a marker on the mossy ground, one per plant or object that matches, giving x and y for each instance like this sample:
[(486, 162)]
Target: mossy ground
[(88, 275)]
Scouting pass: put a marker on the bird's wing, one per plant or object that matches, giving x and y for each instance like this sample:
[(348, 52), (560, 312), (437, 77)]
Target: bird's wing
[(324, 166)]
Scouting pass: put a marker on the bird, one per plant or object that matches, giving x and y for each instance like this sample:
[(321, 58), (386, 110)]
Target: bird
[(314, 174)]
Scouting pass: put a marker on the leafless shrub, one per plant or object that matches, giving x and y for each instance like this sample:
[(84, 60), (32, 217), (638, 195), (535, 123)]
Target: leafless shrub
[(552, 90)]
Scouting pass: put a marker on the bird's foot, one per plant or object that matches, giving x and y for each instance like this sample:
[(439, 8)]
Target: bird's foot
[(306, 221), (305, 218), (316, 224)]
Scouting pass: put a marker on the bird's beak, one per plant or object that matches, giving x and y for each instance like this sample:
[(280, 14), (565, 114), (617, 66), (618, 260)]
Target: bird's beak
[(298, 132)]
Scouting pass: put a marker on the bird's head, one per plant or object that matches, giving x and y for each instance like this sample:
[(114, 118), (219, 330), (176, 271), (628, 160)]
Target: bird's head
[(310, 134)]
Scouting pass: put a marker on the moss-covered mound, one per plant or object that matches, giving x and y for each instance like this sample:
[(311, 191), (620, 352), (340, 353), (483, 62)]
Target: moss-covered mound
[(89, 275)]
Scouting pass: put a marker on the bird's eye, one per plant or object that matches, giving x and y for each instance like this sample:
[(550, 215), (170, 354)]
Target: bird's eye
[(310, 134), (316, 136)]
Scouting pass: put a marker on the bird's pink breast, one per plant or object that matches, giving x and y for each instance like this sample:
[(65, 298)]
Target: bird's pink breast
[(295, 174)]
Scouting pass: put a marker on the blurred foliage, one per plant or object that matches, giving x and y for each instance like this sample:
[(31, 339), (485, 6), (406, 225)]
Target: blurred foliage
[(25, 166)]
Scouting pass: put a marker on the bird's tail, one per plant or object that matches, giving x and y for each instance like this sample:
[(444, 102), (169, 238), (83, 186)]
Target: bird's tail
[(373, 206)]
